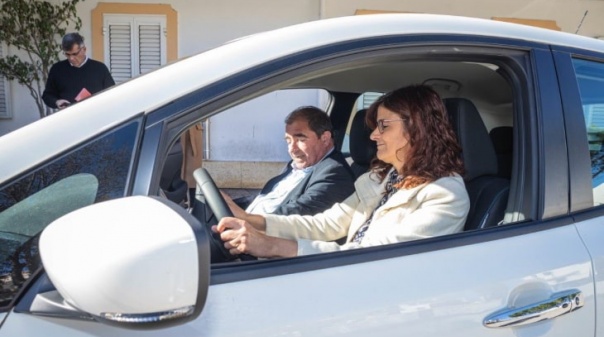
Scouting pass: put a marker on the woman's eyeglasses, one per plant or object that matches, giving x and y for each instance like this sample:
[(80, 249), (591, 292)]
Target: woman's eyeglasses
[(380, 123)]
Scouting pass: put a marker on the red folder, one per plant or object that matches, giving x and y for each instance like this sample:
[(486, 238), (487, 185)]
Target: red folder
[(83, 94)]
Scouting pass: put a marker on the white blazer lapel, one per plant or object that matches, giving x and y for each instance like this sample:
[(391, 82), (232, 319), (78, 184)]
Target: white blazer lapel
[(370, 193)]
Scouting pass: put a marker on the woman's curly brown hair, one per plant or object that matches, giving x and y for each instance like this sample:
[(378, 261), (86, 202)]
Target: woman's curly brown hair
[(433, 148)]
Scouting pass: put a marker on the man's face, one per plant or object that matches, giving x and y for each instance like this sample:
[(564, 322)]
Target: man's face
[(76, 55), (303, 145)]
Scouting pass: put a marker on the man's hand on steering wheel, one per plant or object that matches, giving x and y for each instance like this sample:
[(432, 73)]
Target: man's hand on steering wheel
[(219, 207), (237, 211)]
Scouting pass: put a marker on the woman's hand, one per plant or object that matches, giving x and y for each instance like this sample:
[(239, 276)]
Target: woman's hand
[(241, 237)]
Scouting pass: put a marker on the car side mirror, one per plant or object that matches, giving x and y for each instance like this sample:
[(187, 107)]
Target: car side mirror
[(136, 262)]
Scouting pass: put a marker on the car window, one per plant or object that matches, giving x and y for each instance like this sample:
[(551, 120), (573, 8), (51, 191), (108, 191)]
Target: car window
[(590, 78), (95, 172), (483, 111)]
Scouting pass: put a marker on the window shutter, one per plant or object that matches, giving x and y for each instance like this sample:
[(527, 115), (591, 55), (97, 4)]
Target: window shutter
[(149, 47), (120, 52), (368, 98), (4, 108), (134, 45)]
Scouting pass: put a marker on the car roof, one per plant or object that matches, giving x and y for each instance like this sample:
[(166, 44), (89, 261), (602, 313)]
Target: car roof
[(61, 131)]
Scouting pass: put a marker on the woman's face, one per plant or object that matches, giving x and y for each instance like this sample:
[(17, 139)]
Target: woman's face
[(391, 138)]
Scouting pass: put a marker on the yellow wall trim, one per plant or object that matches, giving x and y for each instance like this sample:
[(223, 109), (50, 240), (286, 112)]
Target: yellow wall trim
[(549, 24), (98, 48)]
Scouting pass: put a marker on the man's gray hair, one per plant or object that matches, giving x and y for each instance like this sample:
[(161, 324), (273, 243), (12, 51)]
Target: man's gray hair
[(317, 119), (71, 39)]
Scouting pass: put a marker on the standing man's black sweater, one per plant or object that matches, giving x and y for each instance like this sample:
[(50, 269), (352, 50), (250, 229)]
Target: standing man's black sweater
[(66, 81)]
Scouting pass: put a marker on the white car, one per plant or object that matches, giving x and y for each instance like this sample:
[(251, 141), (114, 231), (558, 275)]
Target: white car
[(88, 247)]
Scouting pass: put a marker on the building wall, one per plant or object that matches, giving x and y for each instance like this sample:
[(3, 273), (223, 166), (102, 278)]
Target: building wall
[(206, 24), (567, 13), (203, 25)]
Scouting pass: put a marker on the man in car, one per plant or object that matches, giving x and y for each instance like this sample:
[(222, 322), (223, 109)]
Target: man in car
[(318, 175)]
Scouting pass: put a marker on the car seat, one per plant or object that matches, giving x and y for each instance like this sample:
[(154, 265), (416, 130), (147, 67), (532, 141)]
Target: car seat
[(362, 148), (503, 142), (488, 192), (172, 185)]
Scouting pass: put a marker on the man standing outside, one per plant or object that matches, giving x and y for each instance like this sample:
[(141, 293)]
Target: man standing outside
[(75, 78), (316, 178)]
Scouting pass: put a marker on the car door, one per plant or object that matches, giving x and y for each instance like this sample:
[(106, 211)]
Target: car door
[(532, 277), (582, 82), (430, 289)]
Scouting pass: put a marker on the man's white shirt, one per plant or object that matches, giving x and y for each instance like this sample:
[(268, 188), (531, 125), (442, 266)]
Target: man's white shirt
[(268, 203)]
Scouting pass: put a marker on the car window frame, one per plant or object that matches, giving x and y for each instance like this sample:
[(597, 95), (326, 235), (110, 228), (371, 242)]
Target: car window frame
[(581, 194), (191, 108)]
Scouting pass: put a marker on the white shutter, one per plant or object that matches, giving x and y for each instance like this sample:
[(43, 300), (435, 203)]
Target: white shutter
[(120, 52), (134, 44), (4, 107), (149, 47), (366, 99)]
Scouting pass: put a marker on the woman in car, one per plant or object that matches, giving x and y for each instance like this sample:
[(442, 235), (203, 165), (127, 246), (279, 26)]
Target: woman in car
[(412, 191)]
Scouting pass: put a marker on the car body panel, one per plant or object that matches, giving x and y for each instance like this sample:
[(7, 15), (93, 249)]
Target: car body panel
[(393, 296), (591, 232), (448, 287)]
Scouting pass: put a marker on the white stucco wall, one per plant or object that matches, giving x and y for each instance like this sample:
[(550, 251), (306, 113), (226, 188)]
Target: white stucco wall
[(203, 25), (22, 107), (206, 24), (253, 131), (567, 13)]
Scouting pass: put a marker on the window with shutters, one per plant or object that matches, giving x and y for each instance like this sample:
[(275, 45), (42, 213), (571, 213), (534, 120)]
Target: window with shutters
[(366, 99), (4, 106), (134, 44)]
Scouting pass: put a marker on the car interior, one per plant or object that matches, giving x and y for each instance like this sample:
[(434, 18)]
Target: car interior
[(480, 104)]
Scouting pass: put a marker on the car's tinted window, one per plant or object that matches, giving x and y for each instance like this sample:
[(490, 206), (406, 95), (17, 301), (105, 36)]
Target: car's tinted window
[(95, 172), (590, 77)]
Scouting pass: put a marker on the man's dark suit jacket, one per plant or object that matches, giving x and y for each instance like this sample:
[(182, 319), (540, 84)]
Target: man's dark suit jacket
[(330, 182)]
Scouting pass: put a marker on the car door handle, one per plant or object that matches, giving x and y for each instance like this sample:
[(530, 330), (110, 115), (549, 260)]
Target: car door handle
[(558, 304)]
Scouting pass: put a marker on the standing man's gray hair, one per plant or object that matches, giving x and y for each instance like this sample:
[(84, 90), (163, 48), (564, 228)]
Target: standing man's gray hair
[(71, 39)]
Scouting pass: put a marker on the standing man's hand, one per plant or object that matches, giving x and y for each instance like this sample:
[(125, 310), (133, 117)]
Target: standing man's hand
[(62, 103)]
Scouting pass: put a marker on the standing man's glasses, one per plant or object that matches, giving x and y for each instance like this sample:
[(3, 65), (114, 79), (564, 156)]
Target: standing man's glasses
[(72, 54), (380, 123)]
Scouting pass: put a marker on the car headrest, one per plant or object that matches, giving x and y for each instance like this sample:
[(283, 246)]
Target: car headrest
[(362, 149), (477, 149), (503, 139)]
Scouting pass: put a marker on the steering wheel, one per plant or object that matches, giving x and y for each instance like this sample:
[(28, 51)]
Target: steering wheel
[(219, 207)]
